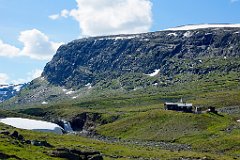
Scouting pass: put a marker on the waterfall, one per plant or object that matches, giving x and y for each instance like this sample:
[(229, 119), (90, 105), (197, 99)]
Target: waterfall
[(67, 126)]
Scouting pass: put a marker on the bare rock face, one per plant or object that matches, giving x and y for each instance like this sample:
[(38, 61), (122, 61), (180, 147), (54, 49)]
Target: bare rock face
[(91, 60)]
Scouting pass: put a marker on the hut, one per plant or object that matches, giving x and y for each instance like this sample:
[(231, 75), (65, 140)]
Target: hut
[(183, 107)]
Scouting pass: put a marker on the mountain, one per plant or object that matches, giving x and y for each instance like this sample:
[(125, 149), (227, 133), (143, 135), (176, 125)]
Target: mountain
[(9, 91), (123, 63), (91, 60), (112, 90)]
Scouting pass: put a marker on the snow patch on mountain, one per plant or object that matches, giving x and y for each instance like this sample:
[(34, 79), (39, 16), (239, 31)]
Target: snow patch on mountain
[(120, 37), (172, 34), (202, 26), (89, 85), (188, 34), (156, 71), (44, 103), (69, 92)]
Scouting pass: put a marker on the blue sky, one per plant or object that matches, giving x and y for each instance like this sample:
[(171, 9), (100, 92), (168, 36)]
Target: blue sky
[(31, 31)]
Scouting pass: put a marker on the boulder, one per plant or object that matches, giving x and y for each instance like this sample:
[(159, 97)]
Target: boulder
[(14, 134), (5, 132), (41, 143)]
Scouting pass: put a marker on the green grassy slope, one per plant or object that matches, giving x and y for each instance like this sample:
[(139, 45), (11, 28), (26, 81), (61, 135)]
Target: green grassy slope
[(12, 146), (199, 130), (139, 115)]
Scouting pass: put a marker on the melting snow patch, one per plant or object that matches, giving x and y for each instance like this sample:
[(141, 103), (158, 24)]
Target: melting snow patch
[(156, 71), (238, 120), (70, 92), (172, 34), (188, 34), (44, 103), (208, 34), (30, 124), (89, 85), (119, 37), (126, 37), (74, 97)]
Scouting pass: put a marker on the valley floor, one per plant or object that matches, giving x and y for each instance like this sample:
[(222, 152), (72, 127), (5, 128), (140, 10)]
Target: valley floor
[(133, 124), (149, 134)]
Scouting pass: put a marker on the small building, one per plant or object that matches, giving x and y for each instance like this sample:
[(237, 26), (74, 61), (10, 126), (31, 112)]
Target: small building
[(180, 106)]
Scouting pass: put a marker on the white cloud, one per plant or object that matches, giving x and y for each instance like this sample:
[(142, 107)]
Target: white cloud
[(37, 45), (3, 78), (104, 17), (8, 50), (29, 77), (65, 13), (35, 73), (54, 16), (19, 81)]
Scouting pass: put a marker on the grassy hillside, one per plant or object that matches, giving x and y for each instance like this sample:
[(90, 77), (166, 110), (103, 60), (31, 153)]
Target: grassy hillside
[(199, 130), (137, 116), (16, 150)]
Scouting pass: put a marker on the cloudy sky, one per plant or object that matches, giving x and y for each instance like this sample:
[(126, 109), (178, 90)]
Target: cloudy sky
[(32, 30)]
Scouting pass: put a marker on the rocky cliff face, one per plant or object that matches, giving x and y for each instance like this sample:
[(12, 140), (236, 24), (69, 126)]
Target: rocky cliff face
[(119, 64), (168, 53)]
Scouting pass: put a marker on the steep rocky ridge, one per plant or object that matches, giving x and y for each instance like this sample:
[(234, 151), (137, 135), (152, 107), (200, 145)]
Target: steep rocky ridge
[(91, 60), (159, 61)]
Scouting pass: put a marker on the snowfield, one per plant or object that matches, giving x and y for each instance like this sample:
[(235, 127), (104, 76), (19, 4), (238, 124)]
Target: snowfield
[(202, 26), (30, 124)]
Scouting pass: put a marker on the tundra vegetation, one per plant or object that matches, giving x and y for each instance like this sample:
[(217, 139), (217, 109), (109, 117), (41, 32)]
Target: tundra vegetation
[(118, 113)]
